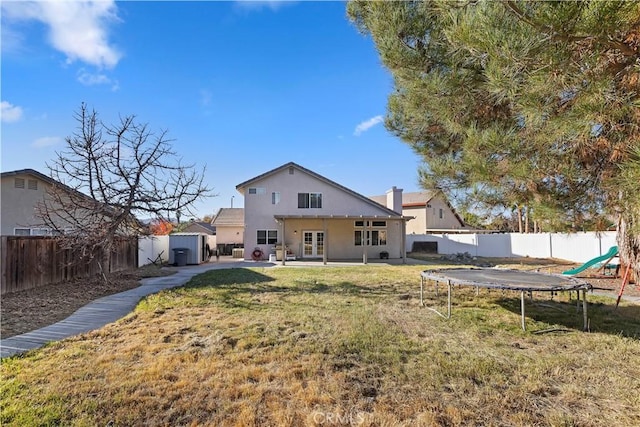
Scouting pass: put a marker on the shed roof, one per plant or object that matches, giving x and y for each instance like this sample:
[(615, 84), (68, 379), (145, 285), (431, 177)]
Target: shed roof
[(201, 227)]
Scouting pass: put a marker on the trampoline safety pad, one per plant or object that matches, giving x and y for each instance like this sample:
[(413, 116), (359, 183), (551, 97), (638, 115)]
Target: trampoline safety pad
[(505, 279)]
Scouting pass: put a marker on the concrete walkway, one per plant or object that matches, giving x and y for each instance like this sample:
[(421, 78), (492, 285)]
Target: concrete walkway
[(110, 308)]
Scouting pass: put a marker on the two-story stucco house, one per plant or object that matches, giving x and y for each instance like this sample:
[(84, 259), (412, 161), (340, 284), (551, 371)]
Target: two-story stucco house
[(431, 210), (316, 218)]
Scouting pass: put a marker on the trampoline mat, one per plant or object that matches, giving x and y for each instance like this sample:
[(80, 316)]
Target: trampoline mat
[(507, 279)]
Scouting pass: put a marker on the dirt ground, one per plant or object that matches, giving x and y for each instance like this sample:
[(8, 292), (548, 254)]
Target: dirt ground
[(31, 309)]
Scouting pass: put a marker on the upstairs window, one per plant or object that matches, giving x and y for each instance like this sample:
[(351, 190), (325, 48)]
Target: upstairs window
[(309, 200), (256, 190), (33, 184), (275, 198), (19, 183)]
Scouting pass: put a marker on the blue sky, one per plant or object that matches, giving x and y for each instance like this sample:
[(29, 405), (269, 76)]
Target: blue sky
[(241, 87)]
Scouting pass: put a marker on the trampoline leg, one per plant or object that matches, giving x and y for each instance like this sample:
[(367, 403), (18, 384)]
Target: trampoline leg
[(524, 327), (578, 301), (437, 293), (449, 299), (584, 310), (421, 291)]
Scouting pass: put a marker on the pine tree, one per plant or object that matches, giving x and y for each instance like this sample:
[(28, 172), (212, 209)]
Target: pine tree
[(532, 105)]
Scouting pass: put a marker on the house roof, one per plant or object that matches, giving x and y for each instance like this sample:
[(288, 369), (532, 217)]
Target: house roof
[(240, 187), (201, 226), (46, 179), (33, 172), (419, 199), (229, 217), (59, 184)]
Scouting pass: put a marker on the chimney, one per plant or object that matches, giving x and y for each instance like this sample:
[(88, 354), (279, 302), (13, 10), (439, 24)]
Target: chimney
[(394, 200)]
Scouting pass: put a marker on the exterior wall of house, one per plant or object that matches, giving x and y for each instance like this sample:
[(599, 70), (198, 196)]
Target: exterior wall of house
[(339, 239), (229, 235), (419, 223), (260, 211), (18, 204), (434, 221)]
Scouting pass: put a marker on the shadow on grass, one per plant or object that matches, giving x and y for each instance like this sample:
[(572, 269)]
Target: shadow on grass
[(603, 317), (241, 287)]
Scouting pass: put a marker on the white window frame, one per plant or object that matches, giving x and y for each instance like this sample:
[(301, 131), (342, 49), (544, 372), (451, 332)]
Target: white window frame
[(366, 233), (361, 223)]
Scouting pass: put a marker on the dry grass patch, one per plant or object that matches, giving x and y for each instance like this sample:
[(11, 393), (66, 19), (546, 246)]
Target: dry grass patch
[(31, 309), (329, 346)]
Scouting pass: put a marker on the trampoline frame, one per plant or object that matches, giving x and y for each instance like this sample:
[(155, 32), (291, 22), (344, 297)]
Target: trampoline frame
[(440, 275)]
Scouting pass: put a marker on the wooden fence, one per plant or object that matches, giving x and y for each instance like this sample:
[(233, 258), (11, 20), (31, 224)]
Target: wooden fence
[(32, 261)]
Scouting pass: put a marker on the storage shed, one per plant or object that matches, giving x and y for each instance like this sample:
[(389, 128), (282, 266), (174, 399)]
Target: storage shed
[(197, 247)]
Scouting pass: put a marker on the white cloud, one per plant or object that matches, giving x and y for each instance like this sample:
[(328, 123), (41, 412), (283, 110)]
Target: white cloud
[(367, 124), (92, 79), (10, 113), (12, 40), (46, 141), (274, 5), (78, 28)]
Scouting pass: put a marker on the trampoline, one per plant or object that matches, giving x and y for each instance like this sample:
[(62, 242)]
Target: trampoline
[(504, 279)]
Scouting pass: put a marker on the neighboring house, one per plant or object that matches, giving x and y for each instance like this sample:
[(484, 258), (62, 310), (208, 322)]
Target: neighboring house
[(229, 225), (432, 212), (21, 192), (24, 191), (315, 217), (200, 227)]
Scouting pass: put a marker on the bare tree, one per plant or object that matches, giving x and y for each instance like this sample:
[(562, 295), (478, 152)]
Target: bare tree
[(108, 175)]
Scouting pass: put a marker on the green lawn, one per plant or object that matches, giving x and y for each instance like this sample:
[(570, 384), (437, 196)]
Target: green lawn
[(334, 346)]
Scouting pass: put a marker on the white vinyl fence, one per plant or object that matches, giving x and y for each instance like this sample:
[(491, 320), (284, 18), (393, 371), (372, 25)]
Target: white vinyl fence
[(575, 247), (150, 247)]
